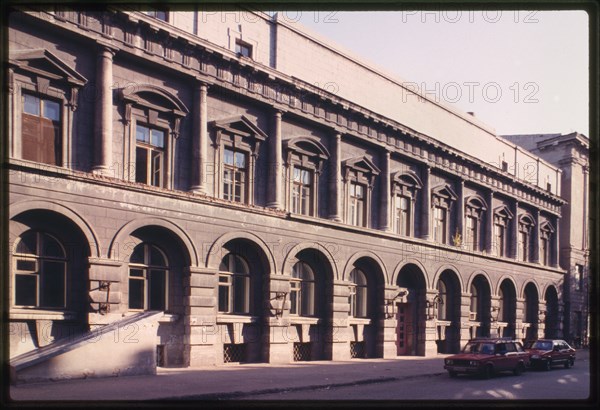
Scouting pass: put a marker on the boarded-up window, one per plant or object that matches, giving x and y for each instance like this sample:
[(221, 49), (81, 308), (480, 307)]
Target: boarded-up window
[(41, 131)]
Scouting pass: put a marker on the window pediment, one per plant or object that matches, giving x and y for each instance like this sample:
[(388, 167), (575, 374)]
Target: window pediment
[(476, 202), (154, 98), (503, 212), (361, 164), (43, 63), (547, 227), (445, 192), (307, 146), (408, 179), (239, 125), (527, 220)]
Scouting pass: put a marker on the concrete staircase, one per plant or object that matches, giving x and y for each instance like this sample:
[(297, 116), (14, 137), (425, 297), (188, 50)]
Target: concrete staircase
[(125, 347)]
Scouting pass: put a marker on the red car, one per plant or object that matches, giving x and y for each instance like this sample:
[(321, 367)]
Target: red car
[(487, 356), (545, 353)]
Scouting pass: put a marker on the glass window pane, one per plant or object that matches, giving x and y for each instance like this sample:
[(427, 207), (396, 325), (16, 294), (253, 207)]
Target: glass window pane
[(142, 133), (26, 290), (308, 308), (51, 110), (228, 157), (31, 104), (141, 165), (136, 272), (156, 168), (157, 138), (240, 160), (294, 302), (51, 247), (26, 265), (158, 290), (136, 294), (53, 284), (223, 298), (137, 256), (240, 294), (28, 243), (224, 266), (156, 257)]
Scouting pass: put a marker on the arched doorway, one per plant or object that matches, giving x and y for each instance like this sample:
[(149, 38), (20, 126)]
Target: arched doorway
[(507, 316), (551, 320), (411, 315), (448, 313), (480, 304), (530, 312)]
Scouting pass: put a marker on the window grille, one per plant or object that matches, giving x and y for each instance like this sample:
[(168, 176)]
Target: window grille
[(160, 355), (302, 352), (357, 350), (234, 353)]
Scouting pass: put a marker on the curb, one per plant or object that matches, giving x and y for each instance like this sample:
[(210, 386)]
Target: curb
[(238, 394)]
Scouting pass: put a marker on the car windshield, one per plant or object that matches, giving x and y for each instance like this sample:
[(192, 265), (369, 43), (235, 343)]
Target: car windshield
[(540, 345), (479, 348)]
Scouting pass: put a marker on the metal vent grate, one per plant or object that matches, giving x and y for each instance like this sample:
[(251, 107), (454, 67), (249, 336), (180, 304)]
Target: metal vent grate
[(233, 353), (302, 352), (357, 350), (160, 355)]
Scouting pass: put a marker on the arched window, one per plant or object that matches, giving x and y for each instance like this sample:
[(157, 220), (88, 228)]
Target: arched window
[(443, 301), (358, 293), (40, 268), (404, 193), (234, 285), (442, 198), (302, 295), (148, 278), (474, 302), (546, 231), (526, 225)]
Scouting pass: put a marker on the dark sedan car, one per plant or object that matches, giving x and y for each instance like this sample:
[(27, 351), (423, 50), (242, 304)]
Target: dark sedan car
[(545, 353)]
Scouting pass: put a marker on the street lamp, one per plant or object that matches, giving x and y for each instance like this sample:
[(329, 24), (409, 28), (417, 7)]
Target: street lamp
[(432, 307), (494, 313), (389, 304)]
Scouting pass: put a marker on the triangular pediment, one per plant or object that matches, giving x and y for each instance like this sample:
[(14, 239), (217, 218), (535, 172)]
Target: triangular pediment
[(445, 191), (240, 125), (504, 212), (547, 226), (362, 164), (43, 62)]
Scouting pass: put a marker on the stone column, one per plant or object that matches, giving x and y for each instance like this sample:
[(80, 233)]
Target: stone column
[(556, 243), (535, 249), (275, 164), (200, 140), (489, 224), (201, 330), (103, 132), (340, 341), (335, 179), (541, 327), (460, 211), (513, 242), (426, 208), (384, 210)]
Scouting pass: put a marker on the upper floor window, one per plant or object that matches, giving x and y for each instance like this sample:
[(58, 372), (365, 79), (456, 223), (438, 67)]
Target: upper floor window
[(304, 161), (234, 175), (359, 176), (158, 14), (154, 117), (148, 278), (474, 209), (234, 285), (302, 292), (358, 293), (237, 141), (502, 216), (149, 155), (242, 48), (526, 225), (404, 194), (43, 96), (41, 130), (442, 198), (40, 269), (546, 231)]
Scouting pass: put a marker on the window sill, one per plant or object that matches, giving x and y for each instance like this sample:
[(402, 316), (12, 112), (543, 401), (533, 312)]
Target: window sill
[(168, 318), (359, 321), (40, 314), (225, 318), (302, 320), (443, 322)]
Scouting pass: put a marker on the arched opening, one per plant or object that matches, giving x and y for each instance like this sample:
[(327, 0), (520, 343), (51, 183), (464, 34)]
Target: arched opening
[(507, 316), (551, 320), (480, 305), (50, 278), (448, 313), (154, 281), (411, 316), (530, 313), (311, 311), (242, 292), (366, 296)]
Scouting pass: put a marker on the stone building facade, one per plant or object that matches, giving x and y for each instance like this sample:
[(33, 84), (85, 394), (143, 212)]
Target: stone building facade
[(570, 152), (168, 162)]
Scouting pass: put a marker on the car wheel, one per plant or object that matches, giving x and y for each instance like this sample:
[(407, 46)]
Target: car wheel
[(519, 369), (488, 372), (452, 374), (569, 363), (548, 365)]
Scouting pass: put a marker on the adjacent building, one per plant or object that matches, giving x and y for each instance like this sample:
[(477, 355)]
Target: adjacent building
[(274, 197)]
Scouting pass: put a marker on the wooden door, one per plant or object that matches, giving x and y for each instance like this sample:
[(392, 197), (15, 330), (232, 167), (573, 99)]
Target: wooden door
[(404, 329)]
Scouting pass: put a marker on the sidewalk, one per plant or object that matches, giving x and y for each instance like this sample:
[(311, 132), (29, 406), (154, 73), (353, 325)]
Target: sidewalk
[(229, 381)]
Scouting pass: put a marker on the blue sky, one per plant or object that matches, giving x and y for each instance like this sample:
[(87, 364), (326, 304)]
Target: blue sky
[(518, 71)]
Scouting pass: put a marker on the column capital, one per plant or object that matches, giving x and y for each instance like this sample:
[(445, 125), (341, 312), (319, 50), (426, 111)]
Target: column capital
[(105, 47)]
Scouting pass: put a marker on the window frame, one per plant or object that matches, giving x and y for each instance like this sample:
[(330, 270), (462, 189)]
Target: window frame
[(475, 209), (233, 278), (359, 171), (147, 268), (524, 246), (305, 302), (240, 45), (244, 195), (150, 150), (38, 273), (358, 297), (443, 198), (405, 186)]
